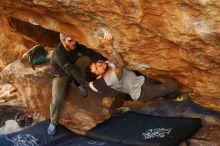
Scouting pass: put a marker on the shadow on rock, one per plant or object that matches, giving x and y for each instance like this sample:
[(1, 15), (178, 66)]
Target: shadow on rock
[(168, 108)]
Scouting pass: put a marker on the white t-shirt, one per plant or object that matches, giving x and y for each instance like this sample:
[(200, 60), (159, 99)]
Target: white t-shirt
[(129, 83)]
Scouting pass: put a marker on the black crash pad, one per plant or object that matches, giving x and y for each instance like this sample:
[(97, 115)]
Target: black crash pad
[(144, 130), (37, 136)]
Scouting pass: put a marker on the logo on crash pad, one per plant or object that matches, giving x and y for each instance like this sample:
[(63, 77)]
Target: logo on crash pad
[(24, 140), (156, 133)]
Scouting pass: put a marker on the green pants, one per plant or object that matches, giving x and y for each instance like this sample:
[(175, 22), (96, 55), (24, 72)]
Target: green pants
[(59, 88)]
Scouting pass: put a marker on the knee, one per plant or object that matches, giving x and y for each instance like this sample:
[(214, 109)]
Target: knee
[(86, 59), (83, 61)]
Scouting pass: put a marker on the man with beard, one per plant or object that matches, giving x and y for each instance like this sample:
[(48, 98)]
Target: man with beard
[(68, 61)]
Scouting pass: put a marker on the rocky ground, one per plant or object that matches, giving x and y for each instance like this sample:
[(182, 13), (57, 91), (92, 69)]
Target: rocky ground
[(178, 39), (8, 113), (7, 121), (10, 105), (207, 135)]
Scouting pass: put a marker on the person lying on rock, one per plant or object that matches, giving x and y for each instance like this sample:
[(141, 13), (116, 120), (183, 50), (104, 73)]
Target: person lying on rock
[(113, 75), (68, 60)]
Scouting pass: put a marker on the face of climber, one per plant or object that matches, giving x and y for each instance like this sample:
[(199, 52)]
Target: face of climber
[(69, 44), (99, 68)]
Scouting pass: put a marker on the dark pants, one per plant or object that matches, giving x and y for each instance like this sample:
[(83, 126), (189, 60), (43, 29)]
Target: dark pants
[(153, 88), (59, 89)]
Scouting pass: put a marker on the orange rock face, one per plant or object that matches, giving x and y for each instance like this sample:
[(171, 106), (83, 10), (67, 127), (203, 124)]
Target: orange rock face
[(78, 113), (178, 39)]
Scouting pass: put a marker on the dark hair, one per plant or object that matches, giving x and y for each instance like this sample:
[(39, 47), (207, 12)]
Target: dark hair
[(88, 75)]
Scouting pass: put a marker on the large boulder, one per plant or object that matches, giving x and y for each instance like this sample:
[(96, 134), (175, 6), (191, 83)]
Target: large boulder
[(7, 92), (178, 38), (77, 113)]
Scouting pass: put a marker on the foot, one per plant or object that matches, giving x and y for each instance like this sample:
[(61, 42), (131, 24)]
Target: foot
[(51, 129), (182, 97), (83, 91)]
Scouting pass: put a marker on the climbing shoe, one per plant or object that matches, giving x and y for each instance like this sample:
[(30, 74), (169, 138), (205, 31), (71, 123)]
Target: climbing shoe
[(182, 97), (179, 99), (51, 129), (83, 91)]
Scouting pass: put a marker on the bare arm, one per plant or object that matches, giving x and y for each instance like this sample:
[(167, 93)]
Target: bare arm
[(115, 57)]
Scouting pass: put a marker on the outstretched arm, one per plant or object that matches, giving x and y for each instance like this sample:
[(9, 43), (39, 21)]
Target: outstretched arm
[(115, 57), (95, 56)]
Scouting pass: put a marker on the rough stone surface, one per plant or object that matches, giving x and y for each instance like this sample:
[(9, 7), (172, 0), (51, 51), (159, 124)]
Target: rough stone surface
[(7, 92), (160, 38), (10, 127), (12, 45), (17, 37), (77, 113), (178, 39)]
